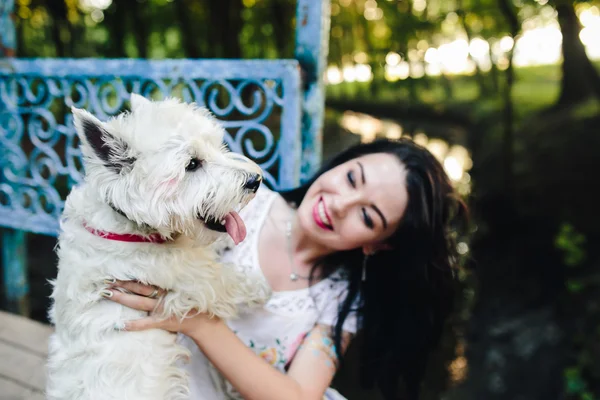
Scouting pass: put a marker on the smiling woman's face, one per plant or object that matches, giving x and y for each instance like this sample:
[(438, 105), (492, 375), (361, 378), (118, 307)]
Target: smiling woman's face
[(355, 204)]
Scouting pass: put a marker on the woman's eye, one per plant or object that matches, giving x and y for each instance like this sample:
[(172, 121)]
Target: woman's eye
[(350, 176), (193, 165), (368, 221)]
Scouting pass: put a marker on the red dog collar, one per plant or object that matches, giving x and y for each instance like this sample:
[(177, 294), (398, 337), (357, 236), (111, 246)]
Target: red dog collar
[(153, 238)]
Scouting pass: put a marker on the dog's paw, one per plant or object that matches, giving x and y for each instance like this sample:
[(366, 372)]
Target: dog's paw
[(256, 293), (250, 291), (223, 309), (179, 305)]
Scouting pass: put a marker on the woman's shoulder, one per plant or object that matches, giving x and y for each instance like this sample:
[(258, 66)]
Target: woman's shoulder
[(258, 206), (263, 193), (337, 283), (333, 288), (334, 294)]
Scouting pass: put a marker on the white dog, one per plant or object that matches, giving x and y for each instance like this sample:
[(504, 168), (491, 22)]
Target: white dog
[(159, 189)]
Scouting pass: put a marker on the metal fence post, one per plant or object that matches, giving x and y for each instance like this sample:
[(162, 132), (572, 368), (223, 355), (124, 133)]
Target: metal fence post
[(14, 246), (313, 20), (8, 37)]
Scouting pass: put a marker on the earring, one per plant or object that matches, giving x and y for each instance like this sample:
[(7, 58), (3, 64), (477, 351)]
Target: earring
[(364, 267)]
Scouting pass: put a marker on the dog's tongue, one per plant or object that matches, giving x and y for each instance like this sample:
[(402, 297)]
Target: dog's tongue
[(235, 227)]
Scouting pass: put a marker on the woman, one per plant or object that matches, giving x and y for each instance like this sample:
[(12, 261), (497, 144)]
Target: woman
[(369, 246)]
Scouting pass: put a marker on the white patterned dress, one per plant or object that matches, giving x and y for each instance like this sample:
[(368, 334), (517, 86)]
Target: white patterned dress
[(275, 330)]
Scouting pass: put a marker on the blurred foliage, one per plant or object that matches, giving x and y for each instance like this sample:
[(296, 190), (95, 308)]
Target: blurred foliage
[(155, 28), (572, 244), (576, 385)]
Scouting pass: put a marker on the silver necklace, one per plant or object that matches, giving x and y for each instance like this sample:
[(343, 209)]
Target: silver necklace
[(288, 233)]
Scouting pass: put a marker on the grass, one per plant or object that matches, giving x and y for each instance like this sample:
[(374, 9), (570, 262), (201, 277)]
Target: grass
[(535, 88)]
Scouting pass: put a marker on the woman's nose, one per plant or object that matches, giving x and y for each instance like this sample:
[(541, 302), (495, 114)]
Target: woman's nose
[(343, 203)]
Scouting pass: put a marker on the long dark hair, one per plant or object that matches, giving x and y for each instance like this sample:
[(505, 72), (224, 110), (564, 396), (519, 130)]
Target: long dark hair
[(408, 291)]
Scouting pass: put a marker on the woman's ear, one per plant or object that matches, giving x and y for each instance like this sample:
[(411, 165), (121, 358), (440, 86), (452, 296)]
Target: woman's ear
[(370, 249)]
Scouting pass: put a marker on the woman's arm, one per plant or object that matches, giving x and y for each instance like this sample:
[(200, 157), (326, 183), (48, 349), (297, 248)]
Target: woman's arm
[(309, 375)]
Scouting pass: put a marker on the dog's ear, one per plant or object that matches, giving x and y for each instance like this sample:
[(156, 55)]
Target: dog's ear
[(138, 101), (111, 150)]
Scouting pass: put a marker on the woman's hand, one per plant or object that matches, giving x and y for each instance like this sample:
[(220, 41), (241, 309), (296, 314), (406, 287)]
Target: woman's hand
[(148, 298)]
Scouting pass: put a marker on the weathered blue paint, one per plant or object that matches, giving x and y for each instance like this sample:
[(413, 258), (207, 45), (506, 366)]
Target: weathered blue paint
[(312, 48), (14, 265), (14, 245), (8, 39), (41, 150)]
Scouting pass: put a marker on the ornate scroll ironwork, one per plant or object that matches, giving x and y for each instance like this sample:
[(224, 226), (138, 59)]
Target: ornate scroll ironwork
[(257, 101)]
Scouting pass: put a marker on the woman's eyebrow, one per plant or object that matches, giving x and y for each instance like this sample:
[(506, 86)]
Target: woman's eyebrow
[(373, 206), (378, 211), (362, 172)]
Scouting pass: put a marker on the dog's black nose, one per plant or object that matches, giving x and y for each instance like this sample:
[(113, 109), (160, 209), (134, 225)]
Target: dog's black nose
[(253, 182)]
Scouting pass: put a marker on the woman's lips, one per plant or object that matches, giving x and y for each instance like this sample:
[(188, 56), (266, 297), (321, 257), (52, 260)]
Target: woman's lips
[(321, 216)]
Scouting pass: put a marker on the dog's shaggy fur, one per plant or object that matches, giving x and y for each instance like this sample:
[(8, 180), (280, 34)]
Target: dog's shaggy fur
[(140, 180)]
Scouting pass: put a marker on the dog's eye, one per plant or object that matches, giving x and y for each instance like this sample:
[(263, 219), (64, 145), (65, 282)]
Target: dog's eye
[(193, 165)]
